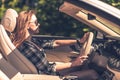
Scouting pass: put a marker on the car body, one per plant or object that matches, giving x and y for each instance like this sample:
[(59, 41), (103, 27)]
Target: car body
[(103, 18)]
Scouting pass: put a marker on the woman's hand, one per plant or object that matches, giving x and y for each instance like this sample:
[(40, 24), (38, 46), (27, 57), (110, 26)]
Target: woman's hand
[(79, 61), (84, 38)]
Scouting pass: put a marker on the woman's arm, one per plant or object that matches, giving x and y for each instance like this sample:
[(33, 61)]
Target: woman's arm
[(57, 43), (77, 62)]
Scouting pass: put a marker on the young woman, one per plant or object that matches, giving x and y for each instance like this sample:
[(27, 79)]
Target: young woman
[(27, 25)]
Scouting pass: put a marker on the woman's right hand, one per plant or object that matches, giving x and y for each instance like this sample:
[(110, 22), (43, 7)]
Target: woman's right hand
[(84, 38)]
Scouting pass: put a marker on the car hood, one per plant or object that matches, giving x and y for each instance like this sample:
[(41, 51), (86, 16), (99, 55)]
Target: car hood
[(94, 13)]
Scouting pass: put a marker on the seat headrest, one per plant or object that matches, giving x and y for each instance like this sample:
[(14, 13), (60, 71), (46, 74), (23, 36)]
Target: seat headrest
[(9, 20)]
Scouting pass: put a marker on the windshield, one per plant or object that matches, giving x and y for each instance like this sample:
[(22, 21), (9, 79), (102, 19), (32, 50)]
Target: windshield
[(95, 14), (105, 14), (110, 25), (97, 23)]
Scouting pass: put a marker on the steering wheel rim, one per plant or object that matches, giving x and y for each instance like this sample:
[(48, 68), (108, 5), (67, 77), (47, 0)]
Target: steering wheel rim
[(86, 48)]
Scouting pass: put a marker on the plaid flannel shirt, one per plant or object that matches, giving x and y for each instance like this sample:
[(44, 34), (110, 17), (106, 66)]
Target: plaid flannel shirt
[(37, 56)]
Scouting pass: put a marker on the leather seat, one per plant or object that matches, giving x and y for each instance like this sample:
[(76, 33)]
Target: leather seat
[(3, 76), (13, 56), (9, 51), (8, 72)]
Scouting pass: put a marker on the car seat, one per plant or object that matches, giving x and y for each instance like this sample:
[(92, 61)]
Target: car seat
[(9, 51), (8, 72), (3, 76), (13, 56)]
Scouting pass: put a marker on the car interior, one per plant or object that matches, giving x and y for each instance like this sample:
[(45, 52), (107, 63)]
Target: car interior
[(94, 13), (21, 67)]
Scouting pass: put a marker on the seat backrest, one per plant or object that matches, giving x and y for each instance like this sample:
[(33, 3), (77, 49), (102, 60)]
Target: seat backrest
[(13, 56), (7, 71), (3, 76), (9, 51)]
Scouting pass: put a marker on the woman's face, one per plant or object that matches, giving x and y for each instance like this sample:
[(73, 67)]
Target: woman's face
[(34, 25)]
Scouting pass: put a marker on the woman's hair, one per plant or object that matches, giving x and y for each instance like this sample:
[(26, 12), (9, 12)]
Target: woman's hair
[(23, 20)]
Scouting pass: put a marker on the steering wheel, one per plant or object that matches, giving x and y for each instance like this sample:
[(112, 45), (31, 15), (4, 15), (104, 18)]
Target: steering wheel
[(86, 48)]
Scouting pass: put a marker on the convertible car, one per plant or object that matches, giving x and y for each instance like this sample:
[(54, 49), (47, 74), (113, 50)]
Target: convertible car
[(103, 47), (104, 19)]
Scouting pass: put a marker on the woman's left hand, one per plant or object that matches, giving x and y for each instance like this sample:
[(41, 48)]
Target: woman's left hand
[(79, 60)]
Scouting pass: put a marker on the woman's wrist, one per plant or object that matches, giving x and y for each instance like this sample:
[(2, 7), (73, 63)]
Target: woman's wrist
[(78, 42)]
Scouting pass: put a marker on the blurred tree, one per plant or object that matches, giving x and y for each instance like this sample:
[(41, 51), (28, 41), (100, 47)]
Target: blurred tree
[(115, 3), (52, 21)]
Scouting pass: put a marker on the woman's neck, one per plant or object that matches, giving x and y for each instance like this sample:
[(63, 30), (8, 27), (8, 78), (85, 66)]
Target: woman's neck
[(28, 35)]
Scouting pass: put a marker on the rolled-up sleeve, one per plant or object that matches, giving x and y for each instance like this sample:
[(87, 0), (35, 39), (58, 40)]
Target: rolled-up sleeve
[(45, 44)]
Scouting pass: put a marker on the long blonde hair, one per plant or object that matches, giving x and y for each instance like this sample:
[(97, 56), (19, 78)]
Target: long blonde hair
[(23, 20)]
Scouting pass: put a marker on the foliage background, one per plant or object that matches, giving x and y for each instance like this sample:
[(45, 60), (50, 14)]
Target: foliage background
[(52, 21)]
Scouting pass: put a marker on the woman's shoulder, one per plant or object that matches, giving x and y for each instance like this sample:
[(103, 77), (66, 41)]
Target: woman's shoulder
[(26, 44)]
